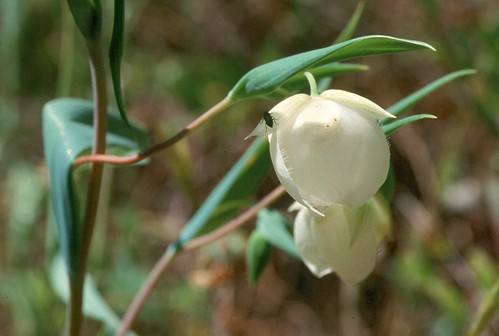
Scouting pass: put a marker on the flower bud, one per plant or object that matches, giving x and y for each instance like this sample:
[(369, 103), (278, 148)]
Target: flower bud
[(343, 241), (327, 149)]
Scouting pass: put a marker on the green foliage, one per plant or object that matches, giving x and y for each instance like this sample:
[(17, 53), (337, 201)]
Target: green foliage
[(416, 271), (265, 78), (298, 82), (116, 54), (232, 193), (352, 24), (406, 103), (395, 125), (94, 305), (273, 228), (67, 133), (391, 125), (88, 17), (488, 308), (257, 255), (194, 74)]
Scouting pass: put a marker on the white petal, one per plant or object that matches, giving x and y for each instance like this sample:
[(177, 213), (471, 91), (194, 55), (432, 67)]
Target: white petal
[(357, 102), (261, 129), (285, 178), (305, 242), (282, 112), (351, 260), (333, 154), (287, 109)]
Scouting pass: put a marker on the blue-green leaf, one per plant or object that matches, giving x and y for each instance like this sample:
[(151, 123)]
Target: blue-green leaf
[(257, 255), (299, 82), (115, 55), (273, 227), (266, 78), (94, 305), (393, 126), (68, 132), (88, 17), (230, 195)]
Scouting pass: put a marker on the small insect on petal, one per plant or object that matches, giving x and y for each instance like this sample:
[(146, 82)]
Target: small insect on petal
[(269, 120)]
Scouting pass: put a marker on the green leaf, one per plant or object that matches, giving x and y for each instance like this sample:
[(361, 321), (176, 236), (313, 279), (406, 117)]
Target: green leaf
[(68, 132), (388, 187), (393, 126), (483, 267), (299, 82), (486, 311), (115, 55), (409, 101), (233, 191), (94, 305), (266, 78), (257, 255), (273, 227), (352, 24), (88, 17)]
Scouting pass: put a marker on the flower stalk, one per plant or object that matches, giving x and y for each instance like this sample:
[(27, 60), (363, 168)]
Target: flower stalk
[(97, 68)]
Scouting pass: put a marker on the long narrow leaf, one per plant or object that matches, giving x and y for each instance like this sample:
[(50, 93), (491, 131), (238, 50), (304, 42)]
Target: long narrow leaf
[(88, 17), (299, 81), (94, 305), (68, 132), (115, 55), (266, 78), (233, 191), (352, 24), (409, 101), (393, 126)]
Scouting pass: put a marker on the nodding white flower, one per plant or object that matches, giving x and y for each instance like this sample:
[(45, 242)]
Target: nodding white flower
[(343, 241), (327, 149)]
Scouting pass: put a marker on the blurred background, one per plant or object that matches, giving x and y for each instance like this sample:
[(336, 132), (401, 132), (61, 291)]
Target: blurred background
[(182, 57)]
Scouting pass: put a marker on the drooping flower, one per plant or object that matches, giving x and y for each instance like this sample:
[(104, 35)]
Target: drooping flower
[(343, 241), (327, 149)]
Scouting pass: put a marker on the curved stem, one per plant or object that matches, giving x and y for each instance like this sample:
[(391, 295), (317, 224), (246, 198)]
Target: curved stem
[(236, 222), (312, 83), (97, 70), (170, 254), (134, 158), (145, 291)]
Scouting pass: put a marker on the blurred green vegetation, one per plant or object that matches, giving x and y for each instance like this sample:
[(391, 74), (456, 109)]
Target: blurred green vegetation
[(180, 58)]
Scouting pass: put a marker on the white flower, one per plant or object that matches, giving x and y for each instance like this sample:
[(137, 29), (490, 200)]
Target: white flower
[(343, 241), (327, 149)]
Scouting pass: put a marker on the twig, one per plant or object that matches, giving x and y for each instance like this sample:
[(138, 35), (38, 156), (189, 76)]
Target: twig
[(236, 222), (134, 158)]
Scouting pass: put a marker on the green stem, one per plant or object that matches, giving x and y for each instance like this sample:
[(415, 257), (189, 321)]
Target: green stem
[(170, 254), (312, 83), (97, 68)]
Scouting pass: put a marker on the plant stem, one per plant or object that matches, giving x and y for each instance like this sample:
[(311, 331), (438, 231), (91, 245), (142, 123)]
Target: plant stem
[(170, 254), (236, 222), (134, 158), (97, 69)]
